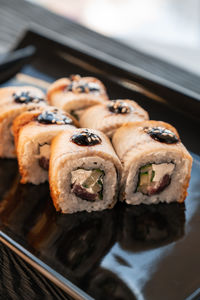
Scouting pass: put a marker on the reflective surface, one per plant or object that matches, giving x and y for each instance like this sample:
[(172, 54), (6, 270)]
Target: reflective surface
[(130, 252), (126, 252)]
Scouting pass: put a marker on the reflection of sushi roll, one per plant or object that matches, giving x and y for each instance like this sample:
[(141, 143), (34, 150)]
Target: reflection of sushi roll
[(83, 171), (149, 226), (76, 93), (78, 247), (69, 240), (33, 141), (104, 284), (14, 101), (112, 115), (156, 165)]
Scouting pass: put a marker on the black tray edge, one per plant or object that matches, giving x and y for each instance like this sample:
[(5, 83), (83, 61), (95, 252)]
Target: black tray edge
[(184, 100), (68, 287), (100, 57), (194, 296)]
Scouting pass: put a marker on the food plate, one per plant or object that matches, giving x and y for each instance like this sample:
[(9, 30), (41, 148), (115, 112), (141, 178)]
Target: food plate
[(129, 252)]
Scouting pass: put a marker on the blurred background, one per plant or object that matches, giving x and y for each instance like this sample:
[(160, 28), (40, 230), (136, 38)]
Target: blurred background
[(167, 29)]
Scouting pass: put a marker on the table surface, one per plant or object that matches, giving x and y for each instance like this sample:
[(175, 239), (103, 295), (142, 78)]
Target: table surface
[(18, 280)]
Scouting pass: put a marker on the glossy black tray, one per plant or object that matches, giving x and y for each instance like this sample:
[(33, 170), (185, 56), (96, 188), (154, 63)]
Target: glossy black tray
[(130, 252)]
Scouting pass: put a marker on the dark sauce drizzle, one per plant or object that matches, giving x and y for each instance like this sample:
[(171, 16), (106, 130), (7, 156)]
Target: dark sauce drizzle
[(162, 135), (53, 117), (25, 98), (119, 107), (86, 138)]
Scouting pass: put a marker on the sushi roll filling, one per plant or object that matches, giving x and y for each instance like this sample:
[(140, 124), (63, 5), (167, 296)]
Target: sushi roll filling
[(44, 163), (44, 155), (76, 113), (87, 184), (154, 178)]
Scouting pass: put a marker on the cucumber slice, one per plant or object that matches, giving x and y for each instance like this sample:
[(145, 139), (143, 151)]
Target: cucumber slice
[(85, 185), (152, 175), (146, 168)]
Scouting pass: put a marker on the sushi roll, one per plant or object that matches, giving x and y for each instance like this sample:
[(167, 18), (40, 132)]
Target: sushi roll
[(84, 171), (28, 116), (76, 93), (14, 101), (73, 235), (108, 117), (33, 140), (156, 165), (10, 95)]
